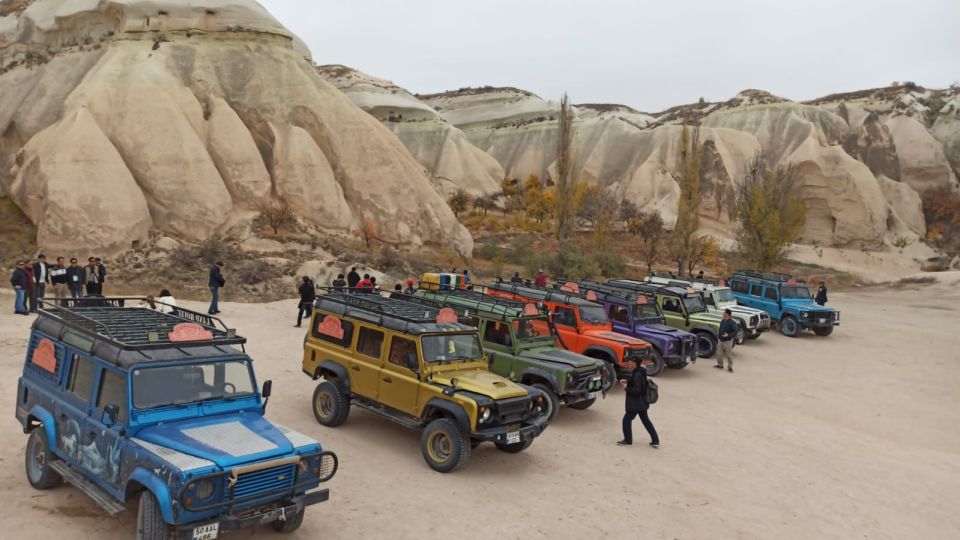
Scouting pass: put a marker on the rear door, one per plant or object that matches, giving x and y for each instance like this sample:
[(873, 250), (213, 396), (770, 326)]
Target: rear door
[(366, 363), (399, 384), (73, 408)]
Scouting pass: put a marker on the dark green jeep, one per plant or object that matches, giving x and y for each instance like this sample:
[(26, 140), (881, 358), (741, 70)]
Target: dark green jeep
[(521, 346)]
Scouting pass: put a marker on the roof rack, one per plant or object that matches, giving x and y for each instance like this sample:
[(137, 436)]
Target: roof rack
[(117, 321), (769, 276), (603, 290), (540, 293), (495, 306), (644, 287), (392, 308)]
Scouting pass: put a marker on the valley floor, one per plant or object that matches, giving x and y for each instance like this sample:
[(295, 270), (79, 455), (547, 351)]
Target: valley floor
[(850, 436)]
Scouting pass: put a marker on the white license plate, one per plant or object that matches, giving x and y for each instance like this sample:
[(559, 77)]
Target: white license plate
[(822, 321), (206, 532), (593, 395), (513, 437)]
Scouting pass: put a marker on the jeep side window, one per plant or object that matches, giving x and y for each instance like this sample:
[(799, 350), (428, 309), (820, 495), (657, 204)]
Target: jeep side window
[(708, 299), (345, 325), (81, 377), (370, 342), (672, 304), (770, 293), (620, 314), (113, 391), (498, 333), (564, 316), (739, 286), (401, 350), (755, 290)]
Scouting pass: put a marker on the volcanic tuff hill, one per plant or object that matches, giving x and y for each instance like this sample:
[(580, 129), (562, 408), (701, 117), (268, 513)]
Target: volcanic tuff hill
[(119, 116)]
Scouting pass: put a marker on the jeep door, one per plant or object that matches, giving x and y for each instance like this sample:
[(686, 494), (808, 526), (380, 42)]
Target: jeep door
[(73, 407), (565, 321), (621, 318), (768, 302), (108, 446), (366, 363), (498, 344), (399, 382), (672, 308)]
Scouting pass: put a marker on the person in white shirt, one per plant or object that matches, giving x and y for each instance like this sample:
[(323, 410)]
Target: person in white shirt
[(166, 302)]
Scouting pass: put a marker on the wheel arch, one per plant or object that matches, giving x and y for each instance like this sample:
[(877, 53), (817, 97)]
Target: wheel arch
[(534, 375), (601, 352), (441, 408), (152, 483), (339, 373), (39, 415)]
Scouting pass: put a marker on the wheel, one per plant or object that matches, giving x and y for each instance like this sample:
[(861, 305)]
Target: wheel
[(150, 524), (741, 335), (583, 405), (823, 331), (706, 345), (445, 448), (514, 448), (608, 375), (331, 405), (789, 326), (553, 402), (38, 457), (654, 363), (290, 524), (754, 335)]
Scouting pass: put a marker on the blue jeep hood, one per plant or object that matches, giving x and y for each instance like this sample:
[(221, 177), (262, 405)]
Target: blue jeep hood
[(226, 440), (805, 303)]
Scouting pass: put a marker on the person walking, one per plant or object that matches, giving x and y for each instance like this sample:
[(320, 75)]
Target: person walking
[(75, 278), (728, 331), (58, 279), (216, 282), (353, 278), (41, 274), (339, 283), (91, 278), (821, 297), (308, 293), (101, 274), (19, 282), (636, 405)]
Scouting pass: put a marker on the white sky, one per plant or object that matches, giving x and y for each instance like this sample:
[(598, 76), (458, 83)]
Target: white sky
[(649, 54)]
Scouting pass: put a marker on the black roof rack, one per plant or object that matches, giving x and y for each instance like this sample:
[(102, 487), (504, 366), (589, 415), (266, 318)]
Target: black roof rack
[(769, 276), (490, 305), (128, 327), (392, 310), (541, 293), (604, 291), (644, 287)]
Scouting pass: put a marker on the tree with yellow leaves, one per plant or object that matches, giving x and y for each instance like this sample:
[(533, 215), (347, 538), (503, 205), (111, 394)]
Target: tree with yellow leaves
[(684, 244)]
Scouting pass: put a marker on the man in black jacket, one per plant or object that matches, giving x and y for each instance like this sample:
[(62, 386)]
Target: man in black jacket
[(75, 280), (728, 331), (352, 279), (101, 274), (41, 273), (636, 405), (308, 293), (19, 282), (58, 278), (216, 282), (821, 297)]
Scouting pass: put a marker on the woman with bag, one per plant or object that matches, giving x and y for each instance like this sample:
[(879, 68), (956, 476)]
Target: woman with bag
[(637, 404)]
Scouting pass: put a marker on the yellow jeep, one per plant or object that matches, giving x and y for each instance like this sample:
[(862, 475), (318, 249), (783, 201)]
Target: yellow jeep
[(420, 367)]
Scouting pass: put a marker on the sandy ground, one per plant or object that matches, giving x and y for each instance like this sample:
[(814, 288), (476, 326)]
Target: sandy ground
[(851, 436)]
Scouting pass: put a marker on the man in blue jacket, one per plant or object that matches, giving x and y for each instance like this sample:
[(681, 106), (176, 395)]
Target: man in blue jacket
[(19, 282), (728, 331), (216, 282)]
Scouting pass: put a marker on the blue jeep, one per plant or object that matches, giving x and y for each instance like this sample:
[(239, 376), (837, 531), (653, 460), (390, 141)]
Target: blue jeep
[(631, 314), (786, 299), (127, 402)]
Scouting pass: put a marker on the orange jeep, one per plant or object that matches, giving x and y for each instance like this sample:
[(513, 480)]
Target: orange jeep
[(582, 326)]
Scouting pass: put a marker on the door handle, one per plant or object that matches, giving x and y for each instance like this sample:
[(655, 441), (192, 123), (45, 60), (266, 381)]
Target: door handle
[(387, 379), (355, 368)]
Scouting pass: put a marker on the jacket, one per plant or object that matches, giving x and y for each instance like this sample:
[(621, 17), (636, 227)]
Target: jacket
[(19, 278), (75, 276), (90, 274), (41, 269), (58, 275), (541, 279), (308, 292), (352, 279), (101, 272), (31, 280), (216, 278), (821, 297), (365, 286), (728, 328), (636, 400)]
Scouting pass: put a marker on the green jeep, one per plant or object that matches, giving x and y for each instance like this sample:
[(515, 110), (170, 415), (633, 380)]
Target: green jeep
[(526, 352), (683, 309)]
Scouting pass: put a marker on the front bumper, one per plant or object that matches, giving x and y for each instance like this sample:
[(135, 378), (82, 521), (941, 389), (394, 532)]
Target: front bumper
[(257, 515), (528, 431), (585, 385)]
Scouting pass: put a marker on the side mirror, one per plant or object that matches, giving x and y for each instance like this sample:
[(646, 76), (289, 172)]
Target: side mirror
[(267, 389), (110, 414)]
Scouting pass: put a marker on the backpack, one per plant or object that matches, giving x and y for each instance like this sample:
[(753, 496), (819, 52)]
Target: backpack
[(653, 392)]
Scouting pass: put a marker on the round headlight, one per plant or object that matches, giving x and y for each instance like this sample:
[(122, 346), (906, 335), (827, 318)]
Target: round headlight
[(203, 488), (303, 466), (485, 415)]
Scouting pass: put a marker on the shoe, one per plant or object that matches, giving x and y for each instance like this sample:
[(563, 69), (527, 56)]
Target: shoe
[(718, 367), (296, 326), (655, 445), (730, 369), (624, 443)]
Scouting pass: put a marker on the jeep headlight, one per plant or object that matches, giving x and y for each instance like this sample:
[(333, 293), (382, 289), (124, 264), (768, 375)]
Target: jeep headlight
[(485, 415), (671, 346), (836, 316), (804, 314), (754, 320), (570, 378), (202, 489)]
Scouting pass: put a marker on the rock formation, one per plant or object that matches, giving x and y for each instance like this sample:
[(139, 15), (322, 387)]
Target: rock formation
[(452, 162), (120, 116)]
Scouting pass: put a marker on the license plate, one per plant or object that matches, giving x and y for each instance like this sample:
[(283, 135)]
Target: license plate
[(513, 437), (593, 395), (206, 532)]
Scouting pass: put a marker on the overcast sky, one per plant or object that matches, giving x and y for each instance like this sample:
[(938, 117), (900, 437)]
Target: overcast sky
[(647, 54)]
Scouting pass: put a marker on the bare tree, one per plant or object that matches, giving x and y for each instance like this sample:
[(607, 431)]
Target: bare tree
[(648, 226), (277, 215)]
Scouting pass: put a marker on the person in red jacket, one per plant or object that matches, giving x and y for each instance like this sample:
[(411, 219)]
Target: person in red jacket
[(365, 285), (31, 287), (540, 280)]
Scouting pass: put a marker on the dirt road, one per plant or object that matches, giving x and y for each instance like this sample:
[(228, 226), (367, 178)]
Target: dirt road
[(851, 436)]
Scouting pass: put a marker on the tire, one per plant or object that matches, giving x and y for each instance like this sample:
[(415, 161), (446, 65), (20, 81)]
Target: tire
[(150, 524), (823, 331), (444, 446), (331, 405), (706, 345), (290, 524), (552, 400), (741, 335), (608, 375), (654, 365), (583, 405), (37, 459), (754, 335), (789, 326), (514, 448)]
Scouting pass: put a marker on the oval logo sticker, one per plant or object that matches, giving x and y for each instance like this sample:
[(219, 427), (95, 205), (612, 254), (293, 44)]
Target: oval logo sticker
[(45, 356), (446, 316), (190, 332), (330, 326)]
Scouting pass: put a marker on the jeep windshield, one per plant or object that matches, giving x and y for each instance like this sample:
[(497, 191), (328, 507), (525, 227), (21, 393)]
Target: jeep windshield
[(593, 315), (182, 385), (646, 311), (532, 331), (723, 296), (451, 348), (795, 292), (694, 303)]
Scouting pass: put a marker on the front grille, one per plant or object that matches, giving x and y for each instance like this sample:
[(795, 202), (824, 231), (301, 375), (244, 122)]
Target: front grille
[(764, 320), (512, 410), (689, 347), (587, 380), (254, 483)]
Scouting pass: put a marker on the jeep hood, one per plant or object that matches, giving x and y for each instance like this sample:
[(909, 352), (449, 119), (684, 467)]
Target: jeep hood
[(622, 339), (661, 330), (707, 318), (560, 356), (481, 382), (226, 440), (805, 303)]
